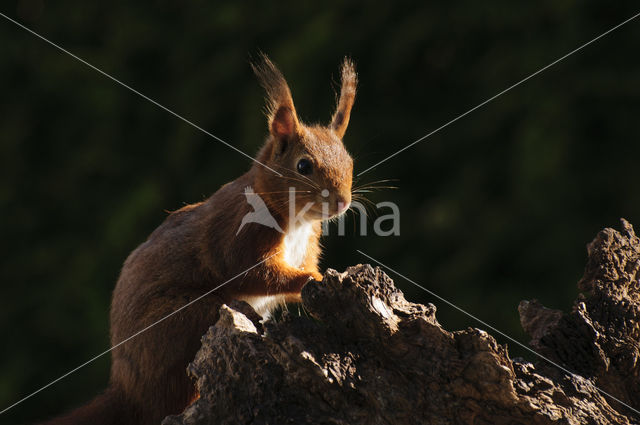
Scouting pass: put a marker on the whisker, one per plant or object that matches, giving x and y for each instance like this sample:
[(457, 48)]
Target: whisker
[(374, 186), (377, 182), (287, 170), (289, 174), (384, 181), (297, 180), (281, 191), (372, 189), (369, 206)]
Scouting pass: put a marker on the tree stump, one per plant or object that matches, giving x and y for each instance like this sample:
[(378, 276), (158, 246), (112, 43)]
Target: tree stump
[(361, 354)]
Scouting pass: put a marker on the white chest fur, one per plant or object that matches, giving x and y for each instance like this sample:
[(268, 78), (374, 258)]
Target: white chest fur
[(296, 243)]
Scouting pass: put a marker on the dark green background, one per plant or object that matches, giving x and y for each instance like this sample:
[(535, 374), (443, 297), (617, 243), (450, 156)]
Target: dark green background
[(496, 208)]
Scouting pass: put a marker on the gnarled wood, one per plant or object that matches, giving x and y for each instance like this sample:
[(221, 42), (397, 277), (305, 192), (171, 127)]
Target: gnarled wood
[(361, 354)]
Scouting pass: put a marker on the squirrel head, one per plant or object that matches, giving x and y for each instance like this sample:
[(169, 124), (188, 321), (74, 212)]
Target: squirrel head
[(310, 158)]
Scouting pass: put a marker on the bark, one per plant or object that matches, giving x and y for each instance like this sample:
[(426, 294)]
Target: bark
[(359, 353)]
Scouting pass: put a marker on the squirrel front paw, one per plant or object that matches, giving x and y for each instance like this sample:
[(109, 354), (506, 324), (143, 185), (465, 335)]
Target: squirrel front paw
[(316, 276)]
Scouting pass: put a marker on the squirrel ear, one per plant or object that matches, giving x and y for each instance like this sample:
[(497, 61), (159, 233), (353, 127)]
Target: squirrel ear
[(349, 81), (283, 120), (284, 123)]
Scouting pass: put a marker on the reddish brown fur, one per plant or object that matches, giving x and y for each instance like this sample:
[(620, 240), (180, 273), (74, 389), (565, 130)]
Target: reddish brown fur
[(197, 249)]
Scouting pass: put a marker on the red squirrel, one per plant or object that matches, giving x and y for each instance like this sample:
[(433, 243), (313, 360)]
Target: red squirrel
[(202, 246)]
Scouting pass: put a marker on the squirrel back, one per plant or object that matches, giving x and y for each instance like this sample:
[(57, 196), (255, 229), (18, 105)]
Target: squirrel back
[(255, 239)]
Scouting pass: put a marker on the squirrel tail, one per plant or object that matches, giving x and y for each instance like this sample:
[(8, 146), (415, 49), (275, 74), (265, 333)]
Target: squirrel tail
[(108, 408)]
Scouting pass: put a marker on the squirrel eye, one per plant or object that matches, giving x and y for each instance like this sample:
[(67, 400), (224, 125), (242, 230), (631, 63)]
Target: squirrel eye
[(304, 166)]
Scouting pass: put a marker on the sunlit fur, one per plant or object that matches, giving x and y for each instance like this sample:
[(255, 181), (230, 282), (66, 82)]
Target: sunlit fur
[(196, 249)]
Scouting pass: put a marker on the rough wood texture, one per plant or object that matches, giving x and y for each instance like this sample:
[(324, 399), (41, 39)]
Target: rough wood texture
[(600, 338), (362, 354)]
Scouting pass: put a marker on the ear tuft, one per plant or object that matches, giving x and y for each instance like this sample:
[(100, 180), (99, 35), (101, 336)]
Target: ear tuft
[(349, 81), (281, 112)]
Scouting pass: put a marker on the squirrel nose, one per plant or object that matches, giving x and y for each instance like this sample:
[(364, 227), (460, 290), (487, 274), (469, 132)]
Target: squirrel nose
[(342, 204)]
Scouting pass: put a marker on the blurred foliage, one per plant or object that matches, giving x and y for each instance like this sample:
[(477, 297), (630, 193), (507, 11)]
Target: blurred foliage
[(496, 208)]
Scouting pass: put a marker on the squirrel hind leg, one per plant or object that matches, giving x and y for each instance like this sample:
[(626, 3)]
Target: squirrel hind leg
[(108, 408)]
